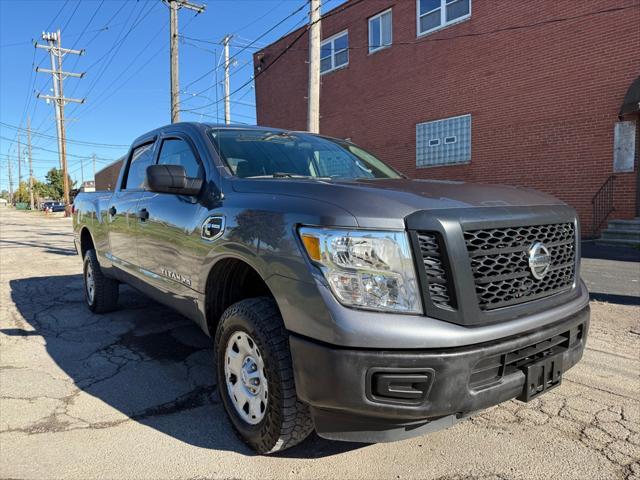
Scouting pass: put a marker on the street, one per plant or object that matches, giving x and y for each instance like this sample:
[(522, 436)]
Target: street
[(132, 394)]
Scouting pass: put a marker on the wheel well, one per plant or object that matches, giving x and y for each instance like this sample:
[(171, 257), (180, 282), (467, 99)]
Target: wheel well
[(230, 281), (86, 242)]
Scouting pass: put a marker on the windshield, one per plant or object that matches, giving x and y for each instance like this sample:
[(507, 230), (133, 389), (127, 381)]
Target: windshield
[(275, 154)]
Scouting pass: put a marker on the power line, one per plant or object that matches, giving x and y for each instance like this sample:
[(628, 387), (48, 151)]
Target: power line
[(253, 22), (232, 58), (417, 42), (77, 142), (56, 16), (69, 19), (106, 27), (303, 31), (68, 154), (134, 73), (115, 48)]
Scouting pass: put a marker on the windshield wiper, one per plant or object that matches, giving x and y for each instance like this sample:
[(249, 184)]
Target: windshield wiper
[(279, 175), (289, 175)]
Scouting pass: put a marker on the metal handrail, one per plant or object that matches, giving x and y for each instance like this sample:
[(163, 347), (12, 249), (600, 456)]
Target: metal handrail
[(602, 203)]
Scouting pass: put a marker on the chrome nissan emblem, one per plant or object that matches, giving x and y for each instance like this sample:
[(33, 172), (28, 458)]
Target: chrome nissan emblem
[(539, 260)]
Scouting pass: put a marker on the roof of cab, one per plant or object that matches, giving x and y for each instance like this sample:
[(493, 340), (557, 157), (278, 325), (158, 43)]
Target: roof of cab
[(202, 126)]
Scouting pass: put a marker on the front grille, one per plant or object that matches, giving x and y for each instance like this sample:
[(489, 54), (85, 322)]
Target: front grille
[(435, 269), (500, 263)]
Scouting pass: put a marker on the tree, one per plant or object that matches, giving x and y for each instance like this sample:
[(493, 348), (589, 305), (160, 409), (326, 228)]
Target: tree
[(55, 183), (4, 194), (41, 190), (22, 193)]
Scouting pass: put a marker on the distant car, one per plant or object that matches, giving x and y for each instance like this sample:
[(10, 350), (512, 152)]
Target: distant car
[(53, 206)]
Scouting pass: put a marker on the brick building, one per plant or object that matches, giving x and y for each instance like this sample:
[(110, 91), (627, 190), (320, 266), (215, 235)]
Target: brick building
[(517, 92)]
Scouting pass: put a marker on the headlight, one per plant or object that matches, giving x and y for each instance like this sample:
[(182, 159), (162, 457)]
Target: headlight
[(366, 269)]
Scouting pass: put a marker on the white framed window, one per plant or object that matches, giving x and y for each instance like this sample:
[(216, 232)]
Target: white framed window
[(380, 31), (443, 142), (334, 52), (436, 14)]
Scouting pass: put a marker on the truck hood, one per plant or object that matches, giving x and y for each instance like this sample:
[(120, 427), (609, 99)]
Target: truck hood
[(383, 203)]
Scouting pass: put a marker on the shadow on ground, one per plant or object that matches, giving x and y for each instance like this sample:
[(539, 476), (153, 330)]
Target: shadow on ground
[(148, 363), (591, 250)]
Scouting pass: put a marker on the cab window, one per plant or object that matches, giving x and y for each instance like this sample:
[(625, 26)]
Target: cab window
[(141, 158), (175, 151)]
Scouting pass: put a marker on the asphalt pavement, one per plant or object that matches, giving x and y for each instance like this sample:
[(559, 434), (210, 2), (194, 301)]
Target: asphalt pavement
[(132, 394)]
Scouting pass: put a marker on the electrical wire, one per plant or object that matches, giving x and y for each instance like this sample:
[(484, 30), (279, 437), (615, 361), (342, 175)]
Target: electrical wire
[(416, 42), (233, 57), (77, 142)]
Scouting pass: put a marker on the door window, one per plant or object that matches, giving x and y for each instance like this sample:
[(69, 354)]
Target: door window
[(175, 151), (141, 158)]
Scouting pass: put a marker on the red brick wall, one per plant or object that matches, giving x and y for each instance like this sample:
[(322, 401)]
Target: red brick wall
[(543, 98)]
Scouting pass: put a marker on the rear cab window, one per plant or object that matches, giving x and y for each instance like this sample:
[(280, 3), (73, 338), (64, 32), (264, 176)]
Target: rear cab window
[(141, 158)]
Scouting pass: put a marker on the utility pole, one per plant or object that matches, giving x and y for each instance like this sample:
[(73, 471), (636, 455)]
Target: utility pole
[(313, 122), (30, 164), (81, 171), (174, 6), (10, 180), (57, 53), (94, 166), (19, 163), (227, 100)]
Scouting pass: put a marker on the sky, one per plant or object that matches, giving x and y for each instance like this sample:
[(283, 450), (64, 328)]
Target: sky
[(126, 65)]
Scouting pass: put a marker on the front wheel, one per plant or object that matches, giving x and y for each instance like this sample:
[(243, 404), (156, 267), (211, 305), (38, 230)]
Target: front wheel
[(255, 377), (100, 291)]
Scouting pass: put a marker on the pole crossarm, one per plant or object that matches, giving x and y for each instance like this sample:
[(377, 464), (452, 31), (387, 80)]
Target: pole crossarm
[(186, 4), (174, 6), (61, 99), (60, 49), (56, 53), (64, 74)]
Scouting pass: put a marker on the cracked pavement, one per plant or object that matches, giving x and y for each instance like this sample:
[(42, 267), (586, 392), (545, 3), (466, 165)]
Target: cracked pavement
[(132, 394)]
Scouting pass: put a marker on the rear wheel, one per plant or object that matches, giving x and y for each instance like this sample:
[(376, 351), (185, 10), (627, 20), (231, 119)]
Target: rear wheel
[(100, 292), (255, 377)]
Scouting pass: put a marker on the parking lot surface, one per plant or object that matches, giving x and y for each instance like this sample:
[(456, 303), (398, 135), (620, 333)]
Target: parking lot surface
[(132, 394)]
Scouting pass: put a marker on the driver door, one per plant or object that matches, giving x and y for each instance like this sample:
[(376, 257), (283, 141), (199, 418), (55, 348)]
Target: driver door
[(170, 247)]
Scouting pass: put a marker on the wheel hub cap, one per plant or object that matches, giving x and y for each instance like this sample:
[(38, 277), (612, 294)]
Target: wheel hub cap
[(245, 378), (90, 283)]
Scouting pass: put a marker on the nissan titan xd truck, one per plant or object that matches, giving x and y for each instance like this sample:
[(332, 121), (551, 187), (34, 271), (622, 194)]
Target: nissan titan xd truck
[(341, 296)]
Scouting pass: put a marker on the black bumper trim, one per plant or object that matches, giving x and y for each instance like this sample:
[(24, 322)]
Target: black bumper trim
[(334, 379)]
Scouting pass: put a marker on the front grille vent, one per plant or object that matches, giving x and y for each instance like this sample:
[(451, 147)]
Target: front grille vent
[(435, 268), (500, 263), (490, 370)]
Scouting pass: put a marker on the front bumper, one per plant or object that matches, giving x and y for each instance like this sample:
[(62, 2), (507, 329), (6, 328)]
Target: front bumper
[(377, 395)]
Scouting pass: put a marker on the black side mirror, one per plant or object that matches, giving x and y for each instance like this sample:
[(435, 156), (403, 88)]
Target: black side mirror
[(172, 179)]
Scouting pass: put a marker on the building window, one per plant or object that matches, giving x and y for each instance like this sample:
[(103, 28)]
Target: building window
[(436, 14), (334, 52), (443, 142), (380, 31)]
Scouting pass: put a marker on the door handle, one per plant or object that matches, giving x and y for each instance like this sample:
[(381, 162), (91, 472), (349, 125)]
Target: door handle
[(143, 214), (113, 211)]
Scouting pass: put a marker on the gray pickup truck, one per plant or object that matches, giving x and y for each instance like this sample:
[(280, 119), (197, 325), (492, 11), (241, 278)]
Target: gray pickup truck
[(341, 295)]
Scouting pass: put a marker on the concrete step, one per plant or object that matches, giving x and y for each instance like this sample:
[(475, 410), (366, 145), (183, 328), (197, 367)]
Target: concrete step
[(612, 242), (621, 234), (624, 224)]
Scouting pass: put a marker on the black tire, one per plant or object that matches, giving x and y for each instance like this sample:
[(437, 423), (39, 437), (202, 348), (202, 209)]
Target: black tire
[(105, 289), (287, 420)]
